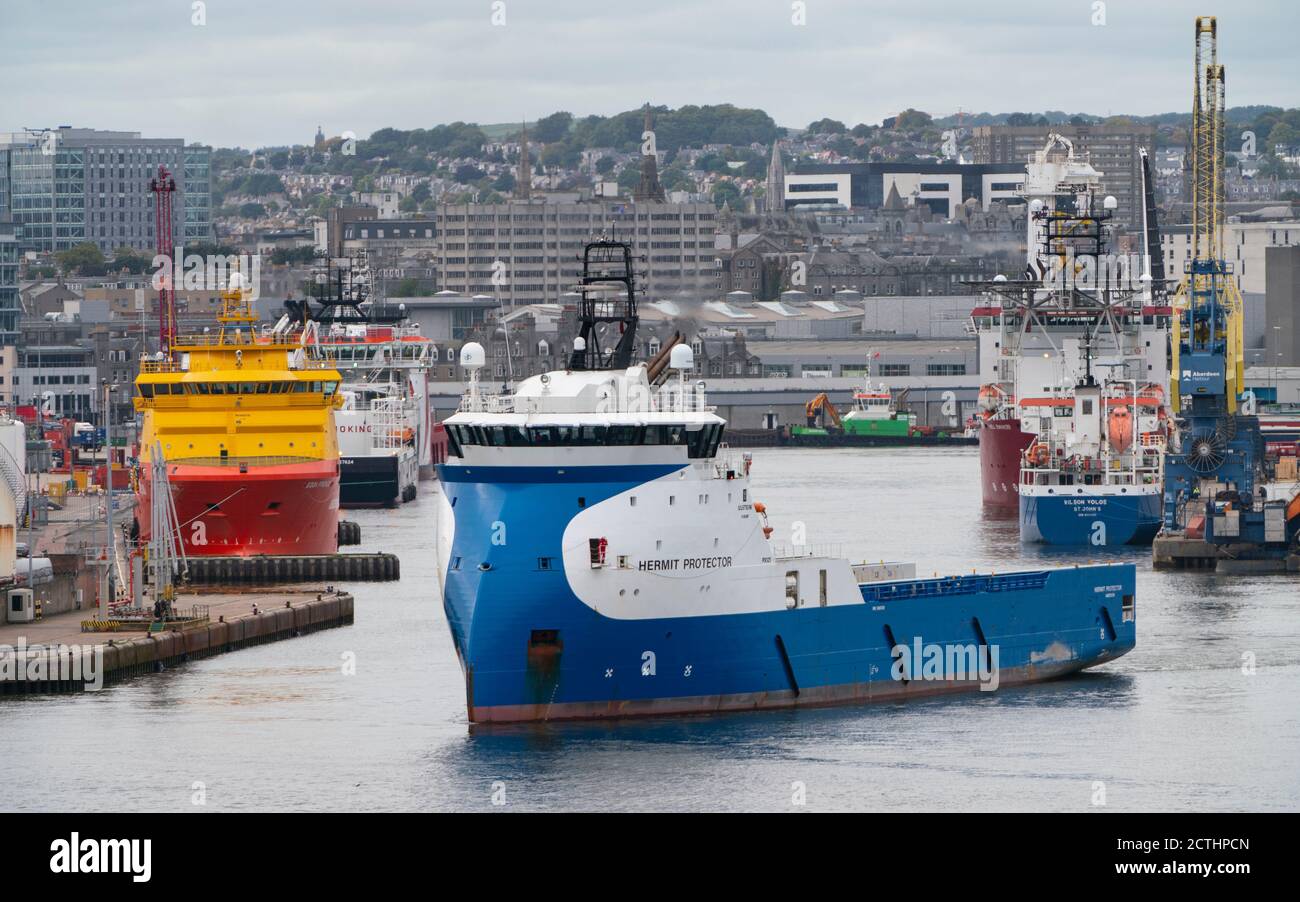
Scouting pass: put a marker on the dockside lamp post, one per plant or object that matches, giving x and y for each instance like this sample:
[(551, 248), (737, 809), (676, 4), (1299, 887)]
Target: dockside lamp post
[(109, 583)]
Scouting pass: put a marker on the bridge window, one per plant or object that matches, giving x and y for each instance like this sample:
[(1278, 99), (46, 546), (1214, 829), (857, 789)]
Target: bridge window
[(699, 443)]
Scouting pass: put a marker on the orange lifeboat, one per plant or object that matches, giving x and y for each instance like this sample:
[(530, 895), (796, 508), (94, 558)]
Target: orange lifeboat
[(990, 396), (1119, 428)]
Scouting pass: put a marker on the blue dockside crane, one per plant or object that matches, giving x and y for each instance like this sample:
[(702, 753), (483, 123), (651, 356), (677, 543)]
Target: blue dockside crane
[(1218, 466)]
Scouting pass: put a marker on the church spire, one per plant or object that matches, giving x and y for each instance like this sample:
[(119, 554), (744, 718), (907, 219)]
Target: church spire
[(649, 188), (524, 175), (893, 200), (774, 194)]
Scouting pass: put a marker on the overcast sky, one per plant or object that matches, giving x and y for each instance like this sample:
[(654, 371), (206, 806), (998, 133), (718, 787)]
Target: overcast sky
[(267, 72)]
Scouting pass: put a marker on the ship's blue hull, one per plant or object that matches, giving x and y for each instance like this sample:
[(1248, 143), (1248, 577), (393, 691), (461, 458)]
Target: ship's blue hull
[(1094, 520), (532, 650)]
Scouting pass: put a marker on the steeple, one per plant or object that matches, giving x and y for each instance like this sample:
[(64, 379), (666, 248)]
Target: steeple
[(649, 188), (893, 201), (775, 189), (524, 175), (320, 137)]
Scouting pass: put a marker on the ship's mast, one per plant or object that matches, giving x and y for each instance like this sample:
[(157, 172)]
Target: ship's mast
[(163, 187), (606, 272)]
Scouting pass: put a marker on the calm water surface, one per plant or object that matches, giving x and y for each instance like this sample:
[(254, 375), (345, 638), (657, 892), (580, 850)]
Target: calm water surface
[(1175, 724)]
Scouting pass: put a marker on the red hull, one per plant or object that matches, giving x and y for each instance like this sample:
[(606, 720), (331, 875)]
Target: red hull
[(279, 509), (1002, 444)]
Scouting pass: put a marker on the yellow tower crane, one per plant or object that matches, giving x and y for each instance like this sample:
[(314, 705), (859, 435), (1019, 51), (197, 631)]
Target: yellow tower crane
[(1207, 302)]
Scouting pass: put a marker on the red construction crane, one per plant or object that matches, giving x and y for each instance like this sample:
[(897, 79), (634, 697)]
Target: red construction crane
[(163, 186)]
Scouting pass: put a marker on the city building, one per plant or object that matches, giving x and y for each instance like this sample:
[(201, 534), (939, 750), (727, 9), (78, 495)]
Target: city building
[(389, 237), (530, 252), (69, 186), (942, 187), (62, 377), (9, 304), (887, 359), (1282, 306), (63, 359), (1112, 149), (384, 201), (9, 307), (1245, 245), (328, 231)]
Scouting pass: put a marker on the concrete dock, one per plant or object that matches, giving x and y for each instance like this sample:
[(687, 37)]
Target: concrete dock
[(127, 652), (1177, 552)]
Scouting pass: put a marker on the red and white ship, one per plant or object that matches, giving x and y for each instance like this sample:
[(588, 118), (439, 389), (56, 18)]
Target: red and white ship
[(1033, 332)]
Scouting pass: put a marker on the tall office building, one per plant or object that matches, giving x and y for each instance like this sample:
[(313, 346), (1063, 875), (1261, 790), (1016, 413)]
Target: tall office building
[(1112, 150), (69, 186), (9, 306), (529, 252)]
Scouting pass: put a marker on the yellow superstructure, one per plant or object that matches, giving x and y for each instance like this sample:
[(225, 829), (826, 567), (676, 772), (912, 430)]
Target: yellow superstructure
[(237, 396)]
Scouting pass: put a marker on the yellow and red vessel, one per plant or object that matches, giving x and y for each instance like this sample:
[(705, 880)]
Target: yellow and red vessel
[(245, 420)]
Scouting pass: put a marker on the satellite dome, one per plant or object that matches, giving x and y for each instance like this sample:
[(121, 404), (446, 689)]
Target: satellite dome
[(681, 358), (580, 344), (237, 281), (472, 356), (1110, 203)]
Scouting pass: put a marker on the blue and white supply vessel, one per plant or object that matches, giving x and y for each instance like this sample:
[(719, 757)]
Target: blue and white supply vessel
[(601, 554), (1093, 476)]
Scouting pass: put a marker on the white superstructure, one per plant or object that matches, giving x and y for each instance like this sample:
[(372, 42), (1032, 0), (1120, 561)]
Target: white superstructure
[(685, 513)]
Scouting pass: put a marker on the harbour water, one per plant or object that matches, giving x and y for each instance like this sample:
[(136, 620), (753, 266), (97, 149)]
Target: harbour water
[(1202, 715)]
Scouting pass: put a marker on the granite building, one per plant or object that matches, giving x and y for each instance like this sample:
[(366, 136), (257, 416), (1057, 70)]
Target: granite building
[(530, 252)]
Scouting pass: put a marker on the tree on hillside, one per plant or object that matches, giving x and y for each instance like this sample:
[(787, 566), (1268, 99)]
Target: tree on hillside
[(260, 184), (629, 177), (1022, 119), (552, 128), (725, 192), (562, 154), (826, 127), (468, 173), (911, 119), (675, 179)]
